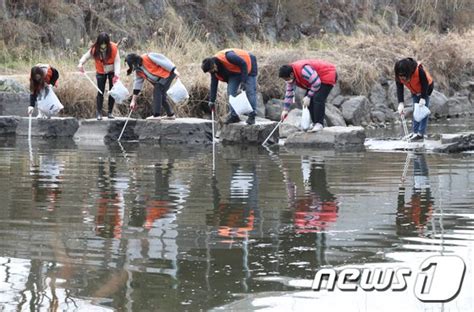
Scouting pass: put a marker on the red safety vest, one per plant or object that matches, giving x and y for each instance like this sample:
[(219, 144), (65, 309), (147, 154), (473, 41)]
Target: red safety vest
[(325, 70)]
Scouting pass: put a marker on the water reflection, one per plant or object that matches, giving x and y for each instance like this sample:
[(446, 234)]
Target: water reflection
[(413, 214), (147, 227)]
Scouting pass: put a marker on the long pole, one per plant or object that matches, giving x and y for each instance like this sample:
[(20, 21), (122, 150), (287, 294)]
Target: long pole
[(404, 125), (92, 82), (271, 133), (29, 128), (213, 133), (125, 125)]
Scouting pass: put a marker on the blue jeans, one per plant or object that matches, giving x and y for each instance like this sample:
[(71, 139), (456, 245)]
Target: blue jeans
[(250, 89), (420, 127)]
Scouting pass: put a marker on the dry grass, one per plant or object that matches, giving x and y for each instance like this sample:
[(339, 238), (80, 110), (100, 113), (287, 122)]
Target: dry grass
[(361, 59)]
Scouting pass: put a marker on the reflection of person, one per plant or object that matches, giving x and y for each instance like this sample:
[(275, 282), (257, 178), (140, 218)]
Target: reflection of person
[(107, 66), (411, 73), (47, 181), (41, 76), (318, 207), (413, 215), (236, 218), (108, 220), (239, 69)]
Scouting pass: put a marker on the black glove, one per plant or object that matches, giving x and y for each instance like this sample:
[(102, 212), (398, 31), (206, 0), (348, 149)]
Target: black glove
[(212, 106)]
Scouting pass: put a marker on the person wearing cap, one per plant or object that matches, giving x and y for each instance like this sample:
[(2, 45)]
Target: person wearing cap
[(411, 74), (317, 77), (239, 69), (160, 72), (107, 65)]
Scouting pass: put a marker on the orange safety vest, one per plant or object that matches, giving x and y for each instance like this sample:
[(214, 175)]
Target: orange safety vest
[(152, 68), (232, 67), (414, 85), (325, 70), (101, 63)]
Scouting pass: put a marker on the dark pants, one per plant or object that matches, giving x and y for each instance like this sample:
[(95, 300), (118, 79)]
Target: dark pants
[(101, 81), (159, 96), (317, 106)]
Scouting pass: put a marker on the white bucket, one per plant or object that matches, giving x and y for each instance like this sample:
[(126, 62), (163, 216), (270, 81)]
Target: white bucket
[(119, 92), (177, 92), (49, 104), (240, 104)]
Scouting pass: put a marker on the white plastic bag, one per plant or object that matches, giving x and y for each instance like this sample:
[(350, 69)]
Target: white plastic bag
[(49, 104), (305, 119), (240, 103), (119, 92), (420, 112), (177, 92)]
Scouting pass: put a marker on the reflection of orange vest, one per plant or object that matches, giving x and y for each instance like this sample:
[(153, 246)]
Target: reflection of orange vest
[(326, 72), (155, 209), (152, 68), (105, 218), (232, 67), (311, 219), (100, 63), (414, 84)]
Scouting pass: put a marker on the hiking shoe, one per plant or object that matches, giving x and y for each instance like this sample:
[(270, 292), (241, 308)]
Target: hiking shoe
[(232, 119), (317, 127), (98, 115), (251, 120), (110, 116), (416, 138)]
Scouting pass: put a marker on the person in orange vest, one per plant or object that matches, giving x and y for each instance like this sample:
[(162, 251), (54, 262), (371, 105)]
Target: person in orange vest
[(317, 77), (411, 74), (107, 66), (160, 71), (41, 76), (239, 69)]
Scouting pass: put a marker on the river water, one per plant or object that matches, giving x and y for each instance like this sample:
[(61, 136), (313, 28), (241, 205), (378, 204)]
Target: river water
[(148, 228)]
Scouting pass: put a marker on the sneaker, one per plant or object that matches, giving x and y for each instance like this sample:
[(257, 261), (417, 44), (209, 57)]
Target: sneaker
[(251, 120), (408, 137), (98, 115), (416, 138), (232, 119), (317, 127), (110, 116)]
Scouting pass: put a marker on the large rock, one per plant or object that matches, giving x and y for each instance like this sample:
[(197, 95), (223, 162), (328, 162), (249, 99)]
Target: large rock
[(14, 104), (335, 92), (455, 143), (356, 110), (8, 125), (458, 106), (273, 109), (241, 133), (438, 105), (48, 128), (106, 130), (11, 86), (291, 123), (334, 116), (179, 131), (378, 96), (341, 138)]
